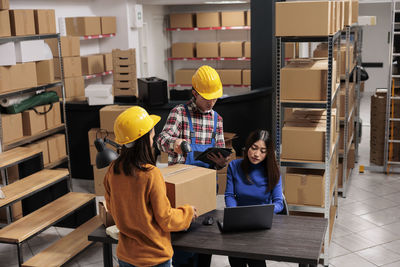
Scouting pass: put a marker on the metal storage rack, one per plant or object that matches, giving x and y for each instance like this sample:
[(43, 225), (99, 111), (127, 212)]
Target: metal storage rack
[(329, 151)]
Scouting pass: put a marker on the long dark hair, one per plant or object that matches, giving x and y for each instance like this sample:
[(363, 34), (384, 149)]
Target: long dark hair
[(271, 168), (135, 156)]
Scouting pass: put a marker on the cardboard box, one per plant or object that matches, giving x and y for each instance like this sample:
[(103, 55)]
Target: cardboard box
[(12, 127), (10, 77), (290, 50), (7, 52), (163, 157), (57, 149), (45, 71), (183, 50), (32, 122), (72, 67), (306, 80), (350, 132), (322, 51), (184, 76), (231, 49), (341, 11), (304, 18), (43, 146), (92, 64), (108, 63), (354, 11), (232, 18), (247, 49), (105, 215), (246, 77), (191, 185), (184, 20), (5, 27), (351, 157), (81, 26), (32, 50), (230, 77), (74, 87), (108, 25), (70, 46), (22, 22), (108, 115), (4, 4), (248, 18), (124, 58), (53, 117), (45, 21), (208, 19), (208, 50), (98, 176), (343, 98), (348, 15)]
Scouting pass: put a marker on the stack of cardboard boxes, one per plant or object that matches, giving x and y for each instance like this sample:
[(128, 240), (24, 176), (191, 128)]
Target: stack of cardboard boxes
[(232, 49), (86, 26), (125, 80), (227, 76)]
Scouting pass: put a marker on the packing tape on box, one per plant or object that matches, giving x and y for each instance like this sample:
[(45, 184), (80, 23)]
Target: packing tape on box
[(179, 171)]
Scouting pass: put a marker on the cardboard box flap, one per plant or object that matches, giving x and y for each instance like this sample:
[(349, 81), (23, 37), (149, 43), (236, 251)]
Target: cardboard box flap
[(305, 126), (177, 174), (229, 136)]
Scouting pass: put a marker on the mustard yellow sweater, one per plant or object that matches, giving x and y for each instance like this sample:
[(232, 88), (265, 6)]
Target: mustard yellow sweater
[(144, 216)]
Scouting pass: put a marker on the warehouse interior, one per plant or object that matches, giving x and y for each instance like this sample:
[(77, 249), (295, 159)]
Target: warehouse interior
[(321, 76)]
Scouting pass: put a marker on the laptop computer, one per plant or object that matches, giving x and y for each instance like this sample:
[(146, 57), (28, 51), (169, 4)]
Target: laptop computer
[(244, 218)]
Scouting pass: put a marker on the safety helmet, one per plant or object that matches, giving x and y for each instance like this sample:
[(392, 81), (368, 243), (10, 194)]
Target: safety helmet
[(207, 83), (132, 124)]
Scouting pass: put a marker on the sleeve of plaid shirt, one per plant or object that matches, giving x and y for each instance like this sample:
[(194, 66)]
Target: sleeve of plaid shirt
[(219, 139), (171, 131)]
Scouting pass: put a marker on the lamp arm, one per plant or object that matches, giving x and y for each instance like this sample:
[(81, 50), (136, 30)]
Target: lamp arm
[(111, 142)]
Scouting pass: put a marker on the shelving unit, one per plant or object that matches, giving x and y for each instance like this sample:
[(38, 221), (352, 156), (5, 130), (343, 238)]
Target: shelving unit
[(211, 58), (330, 192), (100, 36), (224, 85), (210, 28), (92, 76)]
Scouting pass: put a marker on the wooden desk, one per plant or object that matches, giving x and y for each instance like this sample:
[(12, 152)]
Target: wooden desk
[(291, 239)]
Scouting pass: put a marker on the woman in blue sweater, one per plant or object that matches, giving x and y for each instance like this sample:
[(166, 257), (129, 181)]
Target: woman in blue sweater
[(254, 180)]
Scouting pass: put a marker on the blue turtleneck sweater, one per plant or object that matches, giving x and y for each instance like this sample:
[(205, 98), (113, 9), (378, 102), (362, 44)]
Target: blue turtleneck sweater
[(239, 192)]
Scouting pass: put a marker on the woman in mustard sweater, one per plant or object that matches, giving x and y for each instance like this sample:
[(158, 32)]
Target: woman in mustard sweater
[(136, 195)]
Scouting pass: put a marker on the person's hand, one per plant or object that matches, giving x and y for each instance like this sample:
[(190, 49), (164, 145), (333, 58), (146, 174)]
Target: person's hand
[(194, 213), (219, 160), (177, 146)]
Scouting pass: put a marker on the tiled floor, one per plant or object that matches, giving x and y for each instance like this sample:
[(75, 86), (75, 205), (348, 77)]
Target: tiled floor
[(366, 232)]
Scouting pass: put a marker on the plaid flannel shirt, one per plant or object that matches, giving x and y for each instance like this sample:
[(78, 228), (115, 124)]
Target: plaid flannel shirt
[(177, 126)]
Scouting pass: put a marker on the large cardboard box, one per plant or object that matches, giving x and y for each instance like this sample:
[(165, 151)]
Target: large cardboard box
[(57, 148), (45, 71), (12, 127), (184, 76), (4, 4), (45, 21), (183, 20), (53, 117), (232, 18), (98, 176), (322, 51), (191, 185), (230, 77), (33, 123), (248, 18), (5, 28), (108, 25), (231, 49), (43, 146), (246, 77), (209, 49), (72, 67), (183, 50), (108, 63), (97, 133), (247, 49), (22, 22), (306, 80), (7, 52), (108, 115), (32, 50), (92, 64), (74, 87), (70, 46), (305, 18), (81, 26), (105, 215), (208, 19), (10, 77)]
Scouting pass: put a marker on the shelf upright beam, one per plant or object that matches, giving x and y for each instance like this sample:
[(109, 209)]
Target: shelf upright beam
[(278, 130), (358, 85)]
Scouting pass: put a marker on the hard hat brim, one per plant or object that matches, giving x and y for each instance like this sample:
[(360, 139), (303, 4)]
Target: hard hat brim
[(155, 119), (210, 96)]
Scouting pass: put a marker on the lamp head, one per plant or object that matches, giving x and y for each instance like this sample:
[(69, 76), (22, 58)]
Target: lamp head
[(104, 155)]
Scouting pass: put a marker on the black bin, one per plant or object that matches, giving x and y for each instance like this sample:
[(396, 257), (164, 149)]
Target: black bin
[(153, 91)]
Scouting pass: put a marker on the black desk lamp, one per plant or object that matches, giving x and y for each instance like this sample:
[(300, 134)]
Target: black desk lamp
[(105, 155)]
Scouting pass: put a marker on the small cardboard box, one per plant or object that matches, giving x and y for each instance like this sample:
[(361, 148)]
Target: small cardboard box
[(108, 62), (247, 49), (105, 215), (70, 46), (5, 28), (32, 50), (208, 19), (124, 57), (343, 98), (230, 77), (348, 15), (72, 67), (12, 127), (7, 52), (209, 49), (351, 157), (92, 64), (184, 76), (108, 115), (74, 87), (246, 77), (45, 71), (22, 22), (108, 25), (163, 157), (4, 4), (290, 50), (183, 50), (232, 18), (184, 20), (33, 123), (98, 176), (81, 26), (57, 149), (42, 145), (45, 21), (10, 77), (53, 117), (191, 185), (248, 18), (306, 80), (306, 18), (322, 51), (354, 11), (231, 49)]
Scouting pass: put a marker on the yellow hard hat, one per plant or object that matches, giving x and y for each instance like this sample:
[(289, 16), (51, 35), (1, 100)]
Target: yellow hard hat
[(207, 83), (132, 124)]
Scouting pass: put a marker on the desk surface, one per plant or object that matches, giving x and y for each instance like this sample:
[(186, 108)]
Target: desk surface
[(291, 239)]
